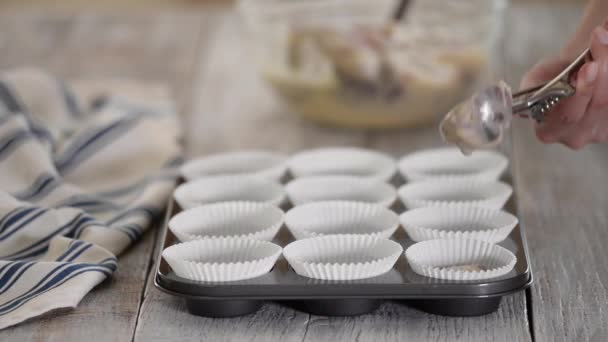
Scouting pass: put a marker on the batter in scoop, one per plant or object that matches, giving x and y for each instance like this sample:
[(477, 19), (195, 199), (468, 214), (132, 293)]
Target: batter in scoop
[(481, 121)]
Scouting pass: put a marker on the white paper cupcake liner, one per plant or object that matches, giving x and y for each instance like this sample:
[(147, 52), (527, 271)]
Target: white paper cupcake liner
[(448, 191), (457, 222), (340, 188), (343, 161), (460, 259), (229, 188), (222, 259), (342, 257), (264, 164), (450, 162), (341, 217), (249, 220)]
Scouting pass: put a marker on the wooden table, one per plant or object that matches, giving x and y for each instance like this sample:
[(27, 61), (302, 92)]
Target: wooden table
[(562, 195)]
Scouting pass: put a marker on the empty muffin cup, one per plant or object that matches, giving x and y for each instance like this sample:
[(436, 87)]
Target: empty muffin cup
[(450, 162), (460, 259), (342, 257), (450, 222), (228, 188), (222, 259), (341, 217), (343, 161), (264, 164), (447, 191), (249, 220), (340, 188)]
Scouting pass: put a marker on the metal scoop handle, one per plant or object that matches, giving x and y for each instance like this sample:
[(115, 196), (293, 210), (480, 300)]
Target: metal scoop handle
[(538, 100)]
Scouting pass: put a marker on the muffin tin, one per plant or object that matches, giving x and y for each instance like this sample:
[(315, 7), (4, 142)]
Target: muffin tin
[(346, 297)]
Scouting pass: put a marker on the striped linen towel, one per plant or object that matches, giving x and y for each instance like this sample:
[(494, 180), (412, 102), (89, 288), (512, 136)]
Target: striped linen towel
[(77, 187)]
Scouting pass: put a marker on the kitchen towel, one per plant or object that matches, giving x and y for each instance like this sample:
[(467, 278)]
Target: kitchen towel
[(78, 185)]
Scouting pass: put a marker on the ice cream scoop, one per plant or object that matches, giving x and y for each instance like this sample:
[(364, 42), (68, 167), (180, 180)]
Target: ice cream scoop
[(481, 121)]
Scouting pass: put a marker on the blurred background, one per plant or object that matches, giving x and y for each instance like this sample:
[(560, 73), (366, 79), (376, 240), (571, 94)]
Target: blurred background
[(160, 3), (287, 63)]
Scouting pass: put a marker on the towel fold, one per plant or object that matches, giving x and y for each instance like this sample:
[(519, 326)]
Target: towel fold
[(78, 185)]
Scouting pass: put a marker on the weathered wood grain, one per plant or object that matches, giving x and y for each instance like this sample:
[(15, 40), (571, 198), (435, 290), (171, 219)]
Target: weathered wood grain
[(164, 318), (395, 322), (563, 202), (157, 48)]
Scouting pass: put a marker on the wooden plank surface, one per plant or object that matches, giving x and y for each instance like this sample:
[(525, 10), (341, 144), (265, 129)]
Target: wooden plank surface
[(249, 116), (563, 202), (157, 48), (562, 197)]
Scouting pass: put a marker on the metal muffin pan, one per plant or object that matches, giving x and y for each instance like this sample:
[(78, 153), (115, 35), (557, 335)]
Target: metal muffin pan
[(346, 298)]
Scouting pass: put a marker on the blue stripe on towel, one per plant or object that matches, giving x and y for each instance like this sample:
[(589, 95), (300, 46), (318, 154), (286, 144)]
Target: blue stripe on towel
[(11, 269), (57, 277), (43, 185), (56, 282), (33, 254), (74, 251), (89, 203), (132, 230), (79, 230), (10, 214), (85, 147), (71, 248), (41, 281), (37, 213), (79, 252), (10, 101), (7, 285), (7, 267), (4, 267), (15, 106), (78, 221), (14, 216), (69, 99), (127, 232), (12, 141)]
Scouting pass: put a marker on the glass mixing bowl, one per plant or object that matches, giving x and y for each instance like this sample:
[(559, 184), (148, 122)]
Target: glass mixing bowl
[(346, 63)]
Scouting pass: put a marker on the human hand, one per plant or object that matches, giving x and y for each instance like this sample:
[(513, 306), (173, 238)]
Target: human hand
[(583, 118)]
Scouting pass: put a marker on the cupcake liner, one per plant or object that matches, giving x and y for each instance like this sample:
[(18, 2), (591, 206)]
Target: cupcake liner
[(341, 217), (342, 257), (451, 163), (249, 220), (228, 188), (264, 164), (340, 188), (460, 259), (457, 222), (343, 161), (222, 259), (448, 191)]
